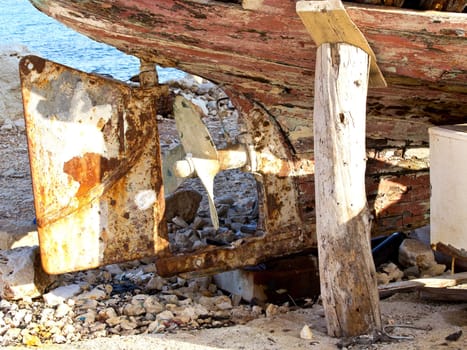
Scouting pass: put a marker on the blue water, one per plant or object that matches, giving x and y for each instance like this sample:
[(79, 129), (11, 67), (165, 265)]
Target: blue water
[(22, 24)]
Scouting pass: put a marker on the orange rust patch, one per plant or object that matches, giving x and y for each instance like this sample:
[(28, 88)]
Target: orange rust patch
[(86, 170)]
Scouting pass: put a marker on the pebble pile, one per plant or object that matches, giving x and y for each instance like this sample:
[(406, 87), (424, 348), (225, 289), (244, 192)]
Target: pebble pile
[(123, 299), (238, 220)]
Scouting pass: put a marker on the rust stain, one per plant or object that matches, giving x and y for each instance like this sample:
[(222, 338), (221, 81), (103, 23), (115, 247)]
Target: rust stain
[(89, 170), (85, 206), (32, 63), (86, 170)]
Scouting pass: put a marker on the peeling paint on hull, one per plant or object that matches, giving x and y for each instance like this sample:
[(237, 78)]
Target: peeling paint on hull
[(265, 59)]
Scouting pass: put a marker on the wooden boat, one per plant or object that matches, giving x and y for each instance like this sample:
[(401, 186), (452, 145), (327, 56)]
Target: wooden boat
[(263, 57)]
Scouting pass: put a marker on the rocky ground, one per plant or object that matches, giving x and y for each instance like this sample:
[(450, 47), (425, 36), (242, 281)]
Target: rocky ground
[(128, 306)]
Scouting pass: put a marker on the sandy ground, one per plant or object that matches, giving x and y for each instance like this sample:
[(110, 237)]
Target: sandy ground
[(433, 320)]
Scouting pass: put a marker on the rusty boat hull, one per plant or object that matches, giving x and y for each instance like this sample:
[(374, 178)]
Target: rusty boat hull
[(263, 57)]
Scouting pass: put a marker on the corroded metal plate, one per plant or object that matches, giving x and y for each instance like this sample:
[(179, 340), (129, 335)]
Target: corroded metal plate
[(96, 168)]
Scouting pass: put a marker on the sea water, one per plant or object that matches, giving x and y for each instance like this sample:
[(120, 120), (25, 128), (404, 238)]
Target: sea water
[(23, 27)]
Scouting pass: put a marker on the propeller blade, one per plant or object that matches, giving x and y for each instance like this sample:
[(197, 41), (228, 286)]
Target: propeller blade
[(198, 146), (207, 170), (194, 135), (169, 158)]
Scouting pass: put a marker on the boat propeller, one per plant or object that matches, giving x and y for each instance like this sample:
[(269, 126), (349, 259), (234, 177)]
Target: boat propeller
[(197, 154)]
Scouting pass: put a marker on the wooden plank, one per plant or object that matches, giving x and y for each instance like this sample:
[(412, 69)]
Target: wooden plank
[(444, 294), (389, 289), (443, 281), (331, 14), (431, 283)]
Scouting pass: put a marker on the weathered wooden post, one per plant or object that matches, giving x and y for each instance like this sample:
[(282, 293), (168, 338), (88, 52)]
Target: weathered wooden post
[(347, 273)]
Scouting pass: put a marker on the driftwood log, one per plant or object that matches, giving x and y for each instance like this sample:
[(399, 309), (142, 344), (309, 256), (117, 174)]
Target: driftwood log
[(347, 272), (345, 67)]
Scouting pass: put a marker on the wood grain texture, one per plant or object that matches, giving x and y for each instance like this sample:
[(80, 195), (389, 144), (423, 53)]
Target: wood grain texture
[(328, 22), (347, 272)]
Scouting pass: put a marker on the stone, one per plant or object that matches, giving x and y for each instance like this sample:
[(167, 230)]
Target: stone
[(415, 253), (97, 327), (272, 310), (225, 199), (208, 232), (134, 309), (223, 302), (86, 304), (150, 267), (200, 283), (382, 278), (432, 270), (58, 339), (20, 124), (156, 326), (114, 269), (200, 310), (179, 222), (152, 305), (212, 107), (187, 314), (393, 272), (198, 245), (412, 272), (88, 317), (20, 316), (236, 226), (306, 333), (7, 125), (10, 240), (207, 302), (170, 299), (198, 223), (62, 310), (183, 204), (249, 229), (423, 234), (30, 339), (245, 205), (114, 320), (61, 294), (128, 324), (21, 274), (201, 104), (108, 312), (165, 316), (205, 88), (12, 333), (47, 314), (94, 294), (155, 283), (222, 209)]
